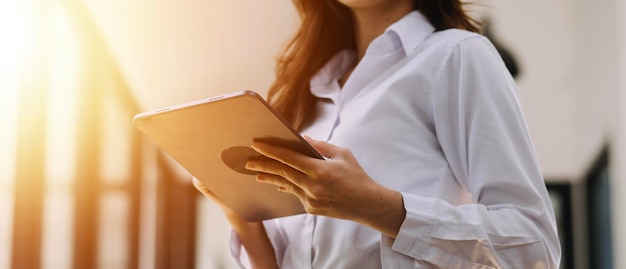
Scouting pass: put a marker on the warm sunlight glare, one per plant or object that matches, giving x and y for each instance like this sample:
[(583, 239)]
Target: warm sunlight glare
[(116, 155), (62, 103), (12, 37), (61, 135)]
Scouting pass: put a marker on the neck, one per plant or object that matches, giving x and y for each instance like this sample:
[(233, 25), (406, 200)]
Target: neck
[(371, 22)]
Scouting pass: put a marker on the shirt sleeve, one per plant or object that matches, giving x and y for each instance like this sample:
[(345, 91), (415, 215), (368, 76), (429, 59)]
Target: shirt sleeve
[(483, 135)]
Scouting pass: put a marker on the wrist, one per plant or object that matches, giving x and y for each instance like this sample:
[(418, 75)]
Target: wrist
[(387, 212)]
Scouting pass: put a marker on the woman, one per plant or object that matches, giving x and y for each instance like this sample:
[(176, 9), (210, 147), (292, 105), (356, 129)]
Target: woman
[(429, 162)]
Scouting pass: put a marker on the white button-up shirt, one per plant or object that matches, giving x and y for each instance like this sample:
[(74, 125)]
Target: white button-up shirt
[(434, 115)]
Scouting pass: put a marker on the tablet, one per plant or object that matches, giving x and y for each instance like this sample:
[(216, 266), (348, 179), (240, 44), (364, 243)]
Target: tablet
[(211, 139)]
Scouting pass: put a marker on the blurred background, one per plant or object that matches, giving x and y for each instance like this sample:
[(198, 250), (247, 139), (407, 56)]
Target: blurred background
[(81, 188)]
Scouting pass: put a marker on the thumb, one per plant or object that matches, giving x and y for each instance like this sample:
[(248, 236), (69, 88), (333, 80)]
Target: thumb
[(200, 187), (327, 150)]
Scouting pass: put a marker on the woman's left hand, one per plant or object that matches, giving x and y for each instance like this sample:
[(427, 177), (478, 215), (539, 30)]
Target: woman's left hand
[(337, 187)]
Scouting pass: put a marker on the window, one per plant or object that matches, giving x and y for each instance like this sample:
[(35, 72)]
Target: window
[(79, 188)]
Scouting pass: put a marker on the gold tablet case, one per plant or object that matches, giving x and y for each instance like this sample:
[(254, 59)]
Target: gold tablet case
[(211, 138)]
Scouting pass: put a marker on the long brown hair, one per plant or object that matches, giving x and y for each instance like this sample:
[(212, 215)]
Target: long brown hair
[(327, 28)]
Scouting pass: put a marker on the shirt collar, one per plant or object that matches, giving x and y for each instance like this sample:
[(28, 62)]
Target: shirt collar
[(411, 29), (407, 33), (331, 73)]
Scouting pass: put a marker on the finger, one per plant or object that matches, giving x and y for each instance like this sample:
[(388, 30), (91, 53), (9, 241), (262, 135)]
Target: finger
[(326, 149), (275, 170), (207, 192), (283, 184), (289, 157), (200, 187)]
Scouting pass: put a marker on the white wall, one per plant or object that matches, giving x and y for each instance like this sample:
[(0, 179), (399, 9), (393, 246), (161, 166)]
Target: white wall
[(598, 78), (618, 176)]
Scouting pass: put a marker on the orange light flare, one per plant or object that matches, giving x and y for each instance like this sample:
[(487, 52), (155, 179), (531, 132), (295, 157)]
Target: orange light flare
[(23, 27), (13, 36)]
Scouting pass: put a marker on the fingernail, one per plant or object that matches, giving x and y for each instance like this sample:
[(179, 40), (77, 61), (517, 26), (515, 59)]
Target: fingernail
[(250, 165), (260, 178)]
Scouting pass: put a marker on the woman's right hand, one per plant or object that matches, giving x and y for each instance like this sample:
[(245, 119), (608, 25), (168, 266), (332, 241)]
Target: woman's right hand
[(239, 224), (252, 235)]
